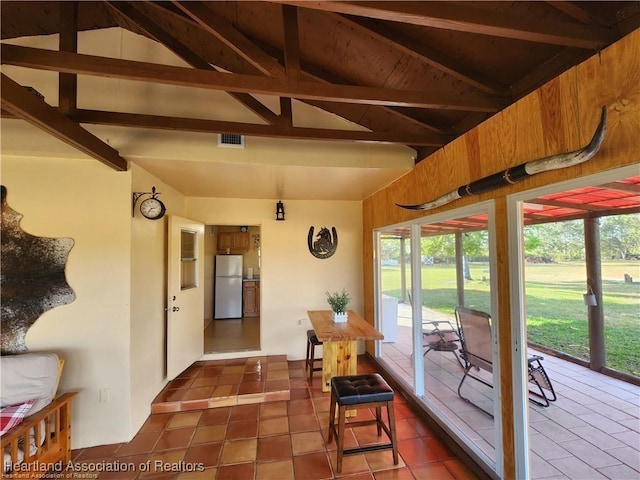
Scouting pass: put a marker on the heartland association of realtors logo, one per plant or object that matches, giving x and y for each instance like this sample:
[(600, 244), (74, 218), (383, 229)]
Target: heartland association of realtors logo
[(91, 470)]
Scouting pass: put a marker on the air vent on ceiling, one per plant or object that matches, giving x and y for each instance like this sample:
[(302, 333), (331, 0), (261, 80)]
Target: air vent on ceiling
[(230, 140)]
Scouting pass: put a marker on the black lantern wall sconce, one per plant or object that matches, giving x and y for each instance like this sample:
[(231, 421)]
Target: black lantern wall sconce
[(280, 211), (152, 207)]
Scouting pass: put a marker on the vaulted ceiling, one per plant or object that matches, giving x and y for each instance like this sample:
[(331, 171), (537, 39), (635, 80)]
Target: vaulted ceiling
[(415, 74)]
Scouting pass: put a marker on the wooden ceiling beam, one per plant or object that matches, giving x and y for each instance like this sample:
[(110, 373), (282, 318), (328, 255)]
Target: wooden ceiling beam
[(291, 42), (233, 38), (426, 54), (190, 33), (622, 186), (575, 12), (428, 140), (162, 36), (469, 19), (286, 111), (576, 206), (308, 73), (28, 106), (250, 129), (533, 219), (171, 75), (68, 82), (179, 48), (313, 73)]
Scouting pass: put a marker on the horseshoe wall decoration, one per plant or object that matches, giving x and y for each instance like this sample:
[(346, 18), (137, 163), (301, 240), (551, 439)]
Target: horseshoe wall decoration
[(326, 243), (515, 174)]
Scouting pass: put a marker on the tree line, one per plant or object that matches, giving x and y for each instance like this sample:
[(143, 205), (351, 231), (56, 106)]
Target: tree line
[(548, 242)]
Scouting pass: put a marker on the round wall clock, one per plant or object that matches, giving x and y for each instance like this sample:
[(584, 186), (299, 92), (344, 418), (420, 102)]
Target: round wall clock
[(152, 208)]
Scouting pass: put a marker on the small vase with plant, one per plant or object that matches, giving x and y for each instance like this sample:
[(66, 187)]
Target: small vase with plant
[(339, 302)]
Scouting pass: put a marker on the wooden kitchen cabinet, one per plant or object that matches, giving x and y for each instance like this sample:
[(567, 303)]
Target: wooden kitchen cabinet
[(241, 241), (234, 242), (250, 298)]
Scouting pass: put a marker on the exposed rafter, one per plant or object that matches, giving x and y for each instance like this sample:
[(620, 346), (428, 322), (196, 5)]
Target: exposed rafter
[(251, 129), (291, 43), (398, 119), (27, 105), (470, 19), (188, 55), (622, 186), (231, 37), (171, 75), (533, 219), (425, 53), (68, 83), (413, 73), (576, 206)]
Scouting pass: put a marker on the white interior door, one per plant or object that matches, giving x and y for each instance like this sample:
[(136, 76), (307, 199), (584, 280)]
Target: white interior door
[(185, 290)]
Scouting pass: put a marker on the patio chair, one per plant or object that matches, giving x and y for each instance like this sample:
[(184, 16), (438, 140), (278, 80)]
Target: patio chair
[(476, 350), (440, 336), (538, 377)]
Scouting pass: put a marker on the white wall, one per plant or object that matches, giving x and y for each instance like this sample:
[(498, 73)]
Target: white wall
[(292, 280), (148, 296), (112, 335), (90, 203)]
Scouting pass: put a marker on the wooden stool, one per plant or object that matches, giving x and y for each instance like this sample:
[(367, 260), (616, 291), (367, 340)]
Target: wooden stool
[(361, 391), (312, 343)]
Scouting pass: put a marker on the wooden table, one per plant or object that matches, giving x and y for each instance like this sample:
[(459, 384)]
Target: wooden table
[(340, 343)]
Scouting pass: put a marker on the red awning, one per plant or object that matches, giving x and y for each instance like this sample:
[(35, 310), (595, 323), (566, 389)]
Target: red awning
[(614, 198)]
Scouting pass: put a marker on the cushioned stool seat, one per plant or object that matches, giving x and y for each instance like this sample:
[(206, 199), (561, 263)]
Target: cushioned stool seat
[(362, 391), (312, 343)]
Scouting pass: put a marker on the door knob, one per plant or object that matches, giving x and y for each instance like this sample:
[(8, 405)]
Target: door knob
[(176, 309)]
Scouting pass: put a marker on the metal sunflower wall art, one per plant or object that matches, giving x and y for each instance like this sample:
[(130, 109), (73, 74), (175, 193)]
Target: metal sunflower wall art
[(33, 278)]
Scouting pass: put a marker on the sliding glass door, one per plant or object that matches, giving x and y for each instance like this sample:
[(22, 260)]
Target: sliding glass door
[(426, 270), (577, 307)]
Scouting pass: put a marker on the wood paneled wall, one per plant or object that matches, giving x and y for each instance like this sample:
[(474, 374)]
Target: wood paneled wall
[(559, 117)]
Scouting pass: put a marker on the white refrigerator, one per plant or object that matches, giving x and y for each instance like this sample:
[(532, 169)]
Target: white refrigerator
[(228, 287)]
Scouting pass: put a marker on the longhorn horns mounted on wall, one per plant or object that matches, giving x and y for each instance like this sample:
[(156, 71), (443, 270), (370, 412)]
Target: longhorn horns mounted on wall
[(515, 174)]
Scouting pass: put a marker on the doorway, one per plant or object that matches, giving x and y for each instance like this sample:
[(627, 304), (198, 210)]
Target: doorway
[(238, 332)]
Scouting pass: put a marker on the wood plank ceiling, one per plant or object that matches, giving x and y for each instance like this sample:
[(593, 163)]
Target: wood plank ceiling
[(411, 73)]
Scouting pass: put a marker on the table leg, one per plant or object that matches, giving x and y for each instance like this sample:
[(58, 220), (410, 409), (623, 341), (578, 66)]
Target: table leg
[(339, 358)]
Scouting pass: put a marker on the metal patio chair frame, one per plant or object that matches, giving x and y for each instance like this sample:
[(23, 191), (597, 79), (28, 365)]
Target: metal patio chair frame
[(476, 351), (441, 336)]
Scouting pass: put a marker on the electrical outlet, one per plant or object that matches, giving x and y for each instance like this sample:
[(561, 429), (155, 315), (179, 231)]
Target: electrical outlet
[(299, 321), (105, 395)]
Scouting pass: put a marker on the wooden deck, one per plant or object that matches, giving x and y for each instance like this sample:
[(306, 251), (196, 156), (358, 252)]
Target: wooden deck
[(591, 432)]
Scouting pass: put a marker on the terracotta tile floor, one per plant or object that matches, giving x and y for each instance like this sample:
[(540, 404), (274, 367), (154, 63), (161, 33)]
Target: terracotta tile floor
[(226, 383), (275, 439)]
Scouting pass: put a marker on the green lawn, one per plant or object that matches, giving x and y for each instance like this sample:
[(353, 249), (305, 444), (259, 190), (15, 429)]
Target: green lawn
[(556, 314)]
